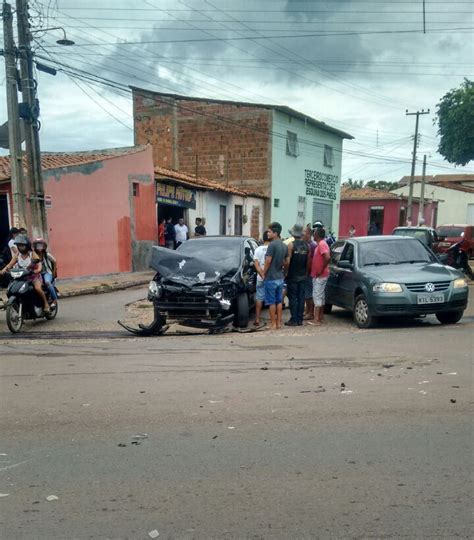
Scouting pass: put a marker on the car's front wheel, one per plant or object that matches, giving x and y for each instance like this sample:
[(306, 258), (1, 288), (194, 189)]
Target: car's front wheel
[(362, 315), (450, 317), (242, 311)]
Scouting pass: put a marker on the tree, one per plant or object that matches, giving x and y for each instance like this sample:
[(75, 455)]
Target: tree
[(455, 117), (353, 184), (382, 184)]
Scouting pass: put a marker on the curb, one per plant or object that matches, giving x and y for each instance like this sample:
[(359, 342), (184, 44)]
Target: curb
[(101, 289)]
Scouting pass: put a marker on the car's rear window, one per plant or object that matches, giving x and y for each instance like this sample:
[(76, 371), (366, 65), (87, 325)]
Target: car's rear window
[(414, 233), (453, 232), (392, 252)]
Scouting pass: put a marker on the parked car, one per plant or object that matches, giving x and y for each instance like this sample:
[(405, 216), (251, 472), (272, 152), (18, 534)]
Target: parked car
[(448, 235), (208, 282), (379, 276), (426, 234)]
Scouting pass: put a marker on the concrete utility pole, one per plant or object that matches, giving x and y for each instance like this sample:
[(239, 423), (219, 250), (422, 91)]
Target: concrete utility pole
[(413, 163), (421, 209), (19, 217), (30, 113)]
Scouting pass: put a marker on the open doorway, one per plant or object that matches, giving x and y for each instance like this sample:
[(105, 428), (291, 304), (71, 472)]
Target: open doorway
[(166, 211), (375, 226)]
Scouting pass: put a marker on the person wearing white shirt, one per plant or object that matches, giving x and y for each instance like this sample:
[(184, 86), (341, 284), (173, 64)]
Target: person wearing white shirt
[(259, 261), (182, 232)]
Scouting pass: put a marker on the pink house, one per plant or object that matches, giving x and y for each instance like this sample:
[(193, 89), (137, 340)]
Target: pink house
[(373, 211), (101, 209)]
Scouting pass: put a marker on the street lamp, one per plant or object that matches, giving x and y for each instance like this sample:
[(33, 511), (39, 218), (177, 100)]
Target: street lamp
[(64, 41)]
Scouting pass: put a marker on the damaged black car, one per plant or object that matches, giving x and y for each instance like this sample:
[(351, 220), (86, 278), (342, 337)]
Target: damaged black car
[(207, 282)]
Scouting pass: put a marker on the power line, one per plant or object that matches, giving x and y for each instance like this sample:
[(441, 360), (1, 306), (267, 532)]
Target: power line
[(113, 84), (247, 38)]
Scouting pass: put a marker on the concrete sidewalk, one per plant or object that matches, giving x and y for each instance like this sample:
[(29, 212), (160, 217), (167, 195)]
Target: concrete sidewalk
[(97, 284)]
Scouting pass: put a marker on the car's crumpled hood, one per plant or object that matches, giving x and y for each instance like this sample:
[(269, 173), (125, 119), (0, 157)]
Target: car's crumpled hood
[(412, 273), (187, 270)]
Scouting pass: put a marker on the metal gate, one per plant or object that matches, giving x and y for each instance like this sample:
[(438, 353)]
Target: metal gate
[(322, 211)]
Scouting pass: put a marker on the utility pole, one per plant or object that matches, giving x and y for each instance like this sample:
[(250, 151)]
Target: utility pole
[(413, 163), (424, 17), (30, 114), (421, 209), (19, 218)]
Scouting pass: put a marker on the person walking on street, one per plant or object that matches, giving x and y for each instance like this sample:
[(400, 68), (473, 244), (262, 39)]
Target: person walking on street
[(298, 270), (161, 233), (170, 234), (320, 275), (259, 261), (199, 230), (276, 260), (182, 232)]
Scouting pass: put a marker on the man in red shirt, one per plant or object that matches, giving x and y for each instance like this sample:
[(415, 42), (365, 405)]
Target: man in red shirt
[(320, 274)]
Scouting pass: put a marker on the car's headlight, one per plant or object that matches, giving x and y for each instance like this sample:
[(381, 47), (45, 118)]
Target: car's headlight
[(459, 283), (154, 289), (218, 295), (387, 287)]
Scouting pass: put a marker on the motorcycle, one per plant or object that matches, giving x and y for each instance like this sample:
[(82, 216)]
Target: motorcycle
[(24, 303), (457, 257)]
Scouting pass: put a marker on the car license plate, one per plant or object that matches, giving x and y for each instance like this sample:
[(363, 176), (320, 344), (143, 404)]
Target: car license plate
[(430, 298)]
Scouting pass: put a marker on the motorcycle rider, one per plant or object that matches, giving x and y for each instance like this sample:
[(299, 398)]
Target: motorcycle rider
[(27, 259), (49, 267)]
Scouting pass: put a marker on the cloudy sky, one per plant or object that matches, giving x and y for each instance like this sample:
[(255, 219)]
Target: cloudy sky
[(355, 64)]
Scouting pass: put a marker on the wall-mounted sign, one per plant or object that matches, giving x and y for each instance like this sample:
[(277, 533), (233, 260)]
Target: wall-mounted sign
[(175, 195), (48, 202), (321, 185)]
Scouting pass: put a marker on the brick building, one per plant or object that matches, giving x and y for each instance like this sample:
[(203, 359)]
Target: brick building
[(292, 159)]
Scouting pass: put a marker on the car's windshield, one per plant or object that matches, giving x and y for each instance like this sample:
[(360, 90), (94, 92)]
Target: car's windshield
[(450, 231), (228, 254), (393, 252), (421, 234)]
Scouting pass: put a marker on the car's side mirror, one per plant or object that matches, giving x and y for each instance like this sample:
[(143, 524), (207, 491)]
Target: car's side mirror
[(346, 265)]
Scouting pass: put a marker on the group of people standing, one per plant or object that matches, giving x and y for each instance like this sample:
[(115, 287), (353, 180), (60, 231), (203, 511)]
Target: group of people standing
[(172, 235), (33, 256), (298, 268)]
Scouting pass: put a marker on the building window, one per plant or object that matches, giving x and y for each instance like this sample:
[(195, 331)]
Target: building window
[(276, 203), (292, 148), (136, 189), (328, 156)]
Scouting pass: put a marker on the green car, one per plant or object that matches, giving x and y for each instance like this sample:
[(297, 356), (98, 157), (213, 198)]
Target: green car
[(381, 276)]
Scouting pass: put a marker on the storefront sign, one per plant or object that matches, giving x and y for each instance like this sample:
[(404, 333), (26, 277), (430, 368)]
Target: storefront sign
[(175, 195), (321, 185)]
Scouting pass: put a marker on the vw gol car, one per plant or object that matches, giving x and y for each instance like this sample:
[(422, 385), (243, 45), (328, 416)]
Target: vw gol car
[(207, 282), (380, 276)]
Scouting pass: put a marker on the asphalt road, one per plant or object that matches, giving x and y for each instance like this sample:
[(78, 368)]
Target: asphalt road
[(297, 434)]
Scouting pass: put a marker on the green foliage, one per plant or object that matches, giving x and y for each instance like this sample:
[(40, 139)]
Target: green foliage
[(455, 117), (353, 184), (382, 184)]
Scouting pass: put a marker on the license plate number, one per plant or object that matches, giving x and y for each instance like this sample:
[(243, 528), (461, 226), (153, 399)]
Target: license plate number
[(430, 298)]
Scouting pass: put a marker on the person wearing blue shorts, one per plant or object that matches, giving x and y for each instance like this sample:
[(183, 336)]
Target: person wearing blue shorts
[(259, 261), (276, 261)]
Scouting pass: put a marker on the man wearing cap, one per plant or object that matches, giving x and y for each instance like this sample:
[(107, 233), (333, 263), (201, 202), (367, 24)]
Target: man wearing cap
[(298, 269)]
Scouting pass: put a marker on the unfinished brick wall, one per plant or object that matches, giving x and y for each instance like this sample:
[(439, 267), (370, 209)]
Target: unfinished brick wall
[(228, 143)]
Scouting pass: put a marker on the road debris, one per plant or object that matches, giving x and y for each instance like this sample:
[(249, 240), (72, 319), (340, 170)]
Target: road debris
[(346, 391), (264, 368), (4, 495), (154, 534), (140, 436), (231, 427), (121, 445), (453, 373), (452, 400), (215, 437), (318, 390), (50, 498), (422, 392), (388, 366), (211, 401)]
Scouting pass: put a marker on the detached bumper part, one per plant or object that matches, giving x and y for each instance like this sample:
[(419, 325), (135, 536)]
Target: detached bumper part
[(156, 328)]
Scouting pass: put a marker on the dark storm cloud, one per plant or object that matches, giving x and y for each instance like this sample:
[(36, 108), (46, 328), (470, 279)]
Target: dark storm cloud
[(280, 57)]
